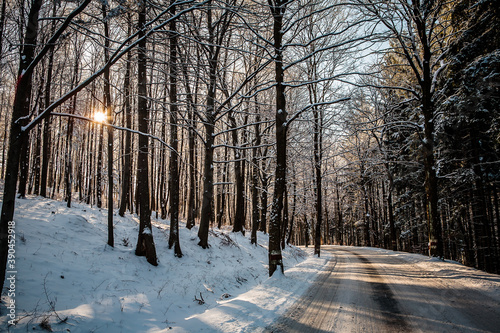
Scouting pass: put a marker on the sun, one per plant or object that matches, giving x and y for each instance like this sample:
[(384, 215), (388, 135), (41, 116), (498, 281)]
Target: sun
[(100, 117)]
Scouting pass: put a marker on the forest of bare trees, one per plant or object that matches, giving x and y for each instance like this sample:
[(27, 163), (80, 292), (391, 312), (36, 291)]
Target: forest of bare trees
[(359, 122)]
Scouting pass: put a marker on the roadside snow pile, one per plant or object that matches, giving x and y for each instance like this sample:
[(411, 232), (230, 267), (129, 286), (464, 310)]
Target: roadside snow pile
[(69, 280)]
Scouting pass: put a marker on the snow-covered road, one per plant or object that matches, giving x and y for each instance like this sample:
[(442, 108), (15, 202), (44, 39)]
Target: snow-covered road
[(372, 290)]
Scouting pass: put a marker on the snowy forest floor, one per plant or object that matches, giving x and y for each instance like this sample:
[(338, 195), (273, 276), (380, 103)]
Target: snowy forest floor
[(69, 280)]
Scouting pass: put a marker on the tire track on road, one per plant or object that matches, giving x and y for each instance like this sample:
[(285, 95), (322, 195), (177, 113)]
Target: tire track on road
[(349, 296)]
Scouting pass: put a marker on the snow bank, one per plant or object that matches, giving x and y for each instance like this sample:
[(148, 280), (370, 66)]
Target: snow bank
[(69, 280)]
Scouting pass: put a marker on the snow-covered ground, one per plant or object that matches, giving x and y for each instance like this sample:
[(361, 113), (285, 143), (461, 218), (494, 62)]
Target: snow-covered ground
[(449, 272), (68, 279)]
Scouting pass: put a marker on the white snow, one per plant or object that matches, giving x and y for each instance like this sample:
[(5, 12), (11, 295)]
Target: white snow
[(453, 272), (65, 271), (68, 277)]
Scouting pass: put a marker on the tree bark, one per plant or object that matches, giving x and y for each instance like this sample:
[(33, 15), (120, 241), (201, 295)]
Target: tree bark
[(210, 115), (17, 137), (278, 8), (2, 24), (191, 204), (292, 219), (36, 162), (255, 181), (127, 153), (68, 170), (222, 193), (239, 216), (433, 221), (145, 243), (263, 201), (109, 117), (428, 110), (98, 185), (318, 146), (174, 141), (208, 187), (24, 163), (339, 230)]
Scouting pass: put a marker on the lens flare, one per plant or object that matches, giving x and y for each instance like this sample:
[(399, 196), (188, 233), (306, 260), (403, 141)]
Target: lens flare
[(100, 117)]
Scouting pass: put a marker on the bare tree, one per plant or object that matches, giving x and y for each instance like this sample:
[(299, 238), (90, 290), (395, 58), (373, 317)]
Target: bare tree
[(174, 164), (127, 151), (217, 33), (47, 121), (145, 243), (278, 8), (282, 24), (18, 136), (109, 117)]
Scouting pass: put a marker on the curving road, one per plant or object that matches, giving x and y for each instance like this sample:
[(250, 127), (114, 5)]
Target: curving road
[(365, 290)]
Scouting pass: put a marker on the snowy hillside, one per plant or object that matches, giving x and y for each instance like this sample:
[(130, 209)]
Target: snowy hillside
[(69, 280)]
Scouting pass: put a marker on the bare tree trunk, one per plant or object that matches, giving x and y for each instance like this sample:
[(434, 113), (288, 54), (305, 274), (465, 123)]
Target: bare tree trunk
[(34, 181), (17, 136), (263, 202), (278, 8), (366, 215), (4, 146), (428, 111), (208, 187), (174, 141), (208, 168), (47, 121), (24, 165), (82, 153), (68, 173), (307, 230), (191, 206), (221, 195), (433, 221), (145, 243), (239, 216), (162, 184), (2, 24), (127, 158), (292, 219), (90, 165), (392, 226), (318, 156), (98, 185), (109, 117), (36, 162), (340, 218), (255, 181), (68, 170), (57, 167), (285, 221)]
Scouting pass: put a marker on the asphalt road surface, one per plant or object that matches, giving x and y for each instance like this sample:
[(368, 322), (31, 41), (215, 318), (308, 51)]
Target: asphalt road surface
[(364, 290)]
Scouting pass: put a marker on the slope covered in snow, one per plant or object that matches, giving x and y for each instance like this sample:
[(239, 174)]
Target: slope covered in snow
[(68, 279)]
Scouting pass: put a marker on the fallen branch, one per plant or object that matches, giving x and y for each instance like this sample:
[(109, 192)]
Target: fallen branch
[(200, 300)]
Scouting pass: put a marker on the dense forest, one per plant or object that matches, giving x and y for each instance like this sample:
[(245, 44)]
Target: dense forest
[(358, 122)]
